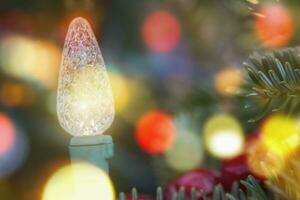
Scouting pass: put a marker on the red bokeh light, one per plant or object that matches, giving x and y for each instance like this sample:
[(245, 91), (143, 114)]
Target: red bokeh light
[(274, 26), (7, 134), (161, 31), (155, 132)]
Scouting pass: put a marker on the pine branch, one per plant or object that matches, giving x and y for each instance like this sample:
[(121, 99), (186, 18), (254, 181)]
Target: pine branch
[(255, 189), (253, 192), (275, 77)]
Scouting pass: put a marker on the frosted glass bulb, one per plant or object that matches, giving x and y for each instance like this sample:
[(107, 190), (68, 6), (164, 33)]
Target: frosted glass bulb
[(85, 104)]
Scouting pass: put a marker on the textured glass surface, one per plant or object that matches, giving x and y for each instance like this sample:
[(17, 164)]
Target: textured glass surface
[(85, 103)]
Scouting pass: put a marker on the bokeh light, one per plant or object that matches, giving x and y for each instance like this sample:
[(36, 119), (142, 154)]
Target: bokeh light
[(155, 132), (223, 136), (13, 146), (274, 25), (261, 162), (30, 59), (14, 94), (280, 134), (7, 134), (121, 90), (186, 152), (161, 31), (78, 181), (228, 81)]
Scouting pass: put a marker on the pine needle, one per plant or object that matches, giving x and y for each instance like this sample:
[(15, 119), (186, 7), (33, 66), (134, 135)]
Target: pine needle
[(275, 77)]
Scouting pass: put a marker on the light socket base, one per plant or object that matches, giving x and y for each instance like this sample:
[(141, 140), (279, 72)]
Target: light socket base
[(93, 149)]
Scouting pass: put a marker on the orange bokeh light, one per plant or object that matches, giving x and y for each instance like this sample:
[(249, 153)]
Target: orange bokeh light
[(155, 132), (274, 25), (228, 81), (262, 162), (16, 94), (7, 134), (161, 31)]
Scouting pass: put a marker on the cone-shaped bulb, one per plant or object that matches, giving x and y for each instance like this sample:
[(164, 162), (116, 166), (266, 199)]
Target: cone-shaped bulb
[(85, 103)]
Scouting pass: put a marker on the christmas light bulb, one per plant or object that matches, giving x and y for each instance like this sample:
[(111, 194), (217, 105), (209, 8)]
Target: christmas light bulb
[(85, 104)]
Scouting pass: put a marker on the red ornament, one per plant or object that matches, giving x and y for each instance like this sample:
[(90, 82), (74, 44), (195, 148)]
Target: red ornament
[(155, 132), (202, 180), (232, 170), (140, 197), (274, 25), (161, 31)]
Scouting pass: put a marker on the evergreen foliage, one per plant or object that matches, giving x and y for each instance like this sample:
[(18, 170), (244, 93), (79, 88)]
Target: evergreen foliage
[(275, 78), (253, 191)]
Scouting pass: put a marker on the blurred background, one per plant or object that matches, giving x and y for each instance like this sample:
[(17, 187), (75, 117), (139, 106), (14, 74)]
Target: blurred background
[(175, 67)]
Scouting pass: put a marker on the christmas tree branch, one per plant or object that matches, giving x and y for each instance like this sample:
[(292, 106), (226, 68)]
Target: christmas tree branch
[(253, 192), (275, 77)]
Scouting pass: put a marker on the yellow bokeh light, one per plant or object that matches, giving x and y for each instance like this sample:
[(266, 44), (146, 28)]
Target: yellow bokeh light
[(121, 91), (228, 81), (16, 55), (30, 59), (47, 62), (78, 181), (223, 136), (280, 134)]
